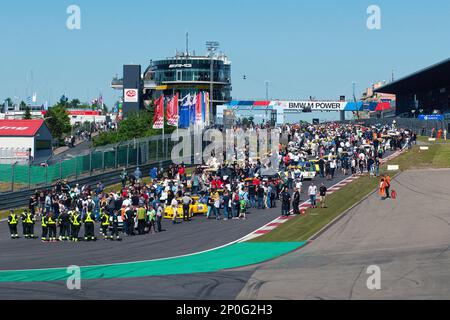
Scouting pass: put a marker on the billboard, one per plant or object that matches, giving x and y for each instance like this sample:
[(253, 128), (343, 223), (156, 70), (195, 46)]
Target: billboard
[(311, 105), (432, 117), (130, 95), (133, 89)]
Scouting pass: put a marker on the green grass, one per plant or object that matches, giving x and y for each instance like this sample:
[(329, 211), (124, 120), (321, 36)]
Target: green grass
[(5, 213), (437, 157), (303, 227), (5, 187), (118, 186)]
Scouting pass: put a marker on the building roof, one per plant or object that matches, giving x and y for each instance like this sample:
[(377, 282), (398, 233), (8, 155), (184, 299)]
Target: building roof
[(20, 128), (433, 77)]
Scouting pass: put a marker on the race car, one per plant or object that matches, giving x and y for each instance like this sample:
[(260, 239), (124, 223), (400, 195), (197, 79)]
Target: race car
[(194, 208), (307, 170)]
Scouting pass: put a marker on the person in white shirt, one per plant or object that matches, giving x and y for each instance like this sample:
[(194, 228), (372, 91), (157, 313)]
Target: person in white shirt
[(126, 202), (312, 193), (299, 185), (332, 168), (174, 206)]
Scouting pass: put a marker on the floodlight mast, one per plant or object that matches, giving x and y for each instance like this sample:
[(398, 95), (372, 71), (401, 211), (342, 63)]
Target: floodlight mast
[(211, 46)]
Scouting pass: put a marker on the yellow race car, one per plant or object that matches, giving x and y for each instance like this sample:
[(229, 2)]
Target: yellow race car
[(194, 208)]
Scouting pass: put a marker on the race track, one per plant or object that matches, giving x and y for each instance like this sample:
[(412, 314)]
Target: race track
[(184, 238), (409, 239)]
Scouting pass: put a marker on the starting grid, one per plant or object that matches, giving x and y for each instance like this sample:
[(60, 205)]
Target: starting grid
[(307, 204)]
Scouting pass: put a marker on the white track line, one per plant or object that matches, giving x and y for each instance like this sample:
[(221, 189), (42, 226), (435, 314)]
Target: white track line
[(248, 237)]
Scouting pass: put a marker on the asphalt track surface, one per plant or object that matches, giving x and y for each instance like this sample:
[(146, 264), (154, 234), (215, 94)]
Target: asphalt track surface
[(407, 238), (184, 238)]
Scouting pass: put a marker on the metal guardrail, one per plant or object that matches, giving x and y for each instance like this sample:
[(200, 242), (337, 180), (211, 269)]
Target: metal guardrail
[(19, 199), (94, 161)]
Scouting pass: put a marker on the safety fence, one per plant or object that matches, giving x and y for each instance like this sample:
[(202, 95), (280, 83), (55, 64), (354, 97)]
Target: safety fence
[(16, 177)]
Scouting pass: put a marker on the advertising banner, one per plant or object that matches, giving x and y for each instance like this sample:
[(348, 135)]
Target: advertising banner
[(432, 117), (310, 105), (131, 95)]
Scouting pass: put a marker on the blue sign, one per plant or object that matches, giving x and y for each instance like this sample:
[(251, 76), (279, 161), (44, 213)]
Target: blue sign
[(432, 117)]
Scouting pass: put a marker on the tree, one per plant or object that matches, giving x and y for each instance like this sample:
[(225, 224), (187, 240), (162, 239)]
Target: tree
[(27, 115), (22, 105), (74, 103), (9, 102), (58, 121), (136, 125), (63, 101)]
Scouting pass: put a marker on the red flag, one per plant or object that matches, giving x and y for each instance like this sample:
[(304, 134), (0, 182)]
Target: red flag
[(158, 119), (172, 111), (198, 109)]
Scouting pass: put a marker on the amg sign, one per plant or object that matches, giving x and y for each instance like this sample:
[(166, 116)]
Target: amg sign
[(313, 105)]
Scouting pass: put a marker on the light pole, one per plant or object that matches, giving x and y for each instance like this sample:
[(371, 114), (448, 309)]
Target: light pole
[(354, 89), (211, 46), (267, 98)]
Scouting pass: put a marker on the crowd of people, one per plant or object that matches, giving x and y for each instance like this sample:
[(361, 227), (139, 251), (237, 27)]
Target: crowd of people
[(228, 190)]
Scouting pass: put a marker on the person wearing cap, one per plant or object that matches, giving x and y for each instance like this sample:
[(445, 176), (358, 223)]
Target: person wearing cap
[(12, 224)]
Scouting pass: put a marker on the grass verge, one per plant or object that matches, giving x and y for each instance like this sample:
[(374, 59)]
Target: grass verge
[(5, 213)]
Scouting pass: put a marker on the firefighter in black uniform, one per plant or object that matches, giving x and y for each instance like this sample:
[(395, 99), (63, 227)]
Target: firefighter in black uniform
[(29, 224), (89, 226), (76, 224), (12, 223), (44, 228), (64, 222), (24, 223), (51, 224), (115, 226), (104, 219)]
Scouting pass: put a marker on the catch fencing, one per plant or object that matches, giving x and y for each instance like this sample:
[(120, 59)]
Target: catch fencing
[(137, 152)]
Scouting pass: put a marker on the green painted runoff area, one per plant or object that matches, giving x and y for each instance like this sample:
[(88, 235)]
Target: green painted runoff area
[(232, 256)]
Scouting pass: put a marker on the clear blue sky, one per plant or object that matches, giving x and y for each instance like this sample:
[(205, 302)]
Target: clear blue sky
[(304, 48)]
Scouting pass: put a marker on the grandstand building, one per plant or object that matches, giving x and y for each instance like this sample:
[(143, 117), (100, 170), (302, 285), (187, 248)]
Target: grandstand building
[(424, 92)]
